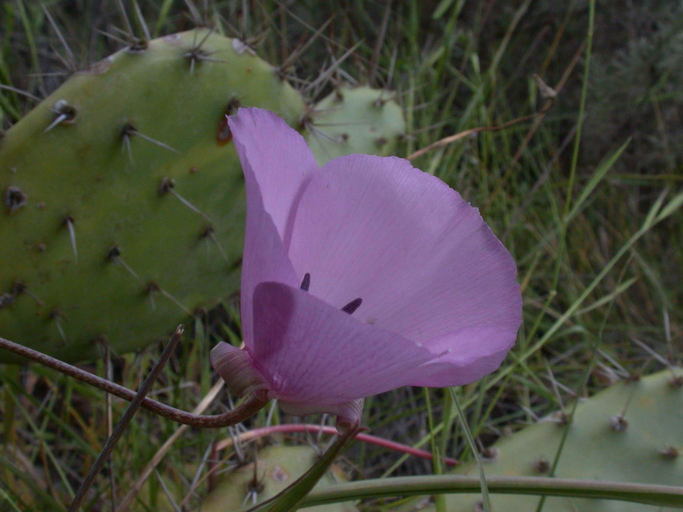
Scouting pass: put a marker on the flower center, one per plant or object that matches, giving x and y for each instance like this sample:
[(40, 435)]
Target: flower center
[(349, 308)]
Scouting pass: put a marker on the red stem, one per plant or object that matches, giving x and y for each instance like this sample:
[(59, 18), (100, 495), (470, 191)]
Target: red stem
[(366, 438)]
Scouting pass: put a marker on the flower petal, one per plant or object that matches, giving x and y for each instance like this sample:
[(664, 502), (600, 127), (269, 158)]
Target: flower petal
[(480, 351), (348, 413), (422, 259), (275, 161), (276, 155), (314, 354)]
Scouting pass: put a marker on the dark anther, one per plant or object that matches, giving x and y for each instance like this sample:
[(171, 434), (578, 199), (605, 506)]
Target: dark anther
[(306, 282), (343, 137), (113, 253), (352, 306), (165, 186), (68, 220), (14, 198)]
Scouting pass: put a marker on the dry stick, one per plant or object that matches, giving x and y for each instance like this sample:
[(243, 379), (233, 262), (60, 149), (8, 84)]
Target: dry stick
[(558, 87), (454, 138), (537, 122), (125, 420), (244, 410), (109, 371)]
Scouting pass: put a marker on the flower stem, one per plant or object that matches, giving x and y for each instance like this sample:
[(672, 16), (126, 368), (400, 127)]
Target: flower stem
[(365, 438), (658, 495)]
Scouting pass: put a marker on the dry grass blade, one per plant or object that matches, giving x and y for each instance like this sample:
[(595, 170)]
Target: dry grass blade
[(125, 503), (125, 419)]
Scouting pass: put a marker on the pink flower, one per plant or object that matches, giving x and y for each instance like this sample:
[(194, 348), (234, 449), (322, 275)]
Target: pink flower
[(359, 277)]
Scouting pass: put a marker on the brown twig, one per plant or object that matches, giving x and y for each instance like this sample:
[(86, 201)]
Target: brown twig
[(472, 131), (125, 420), (244, 410)]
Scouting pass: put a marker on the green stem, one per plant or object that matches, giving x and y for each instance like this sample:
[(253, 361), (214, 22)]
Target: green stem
[(290, 499), (658, 495)]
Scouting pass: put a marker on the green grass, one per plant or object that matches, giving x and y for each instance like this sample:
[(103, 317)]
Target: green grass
[(599, 253)]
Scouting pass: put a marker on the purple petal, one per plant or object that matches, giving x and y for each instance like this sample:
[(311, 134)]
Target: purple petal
[(467, 356), (316, 356), (275, 161), (276, 155), (424, 262), (264, 257), (349, 412)]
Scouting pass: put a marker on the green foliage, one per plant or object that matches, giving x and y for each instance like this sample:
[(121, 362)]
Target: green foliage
[(123, 207), (636, 90)]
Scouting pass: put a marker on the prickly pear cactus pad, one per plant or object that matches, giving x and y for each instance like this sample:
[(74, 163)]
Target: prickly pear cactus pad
[(276, 468), (631, 432), (122, 196), (355, 120)]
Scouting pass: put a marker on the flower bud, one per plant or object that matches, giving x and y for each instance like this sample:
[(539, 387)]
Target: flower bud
[(238, 372)]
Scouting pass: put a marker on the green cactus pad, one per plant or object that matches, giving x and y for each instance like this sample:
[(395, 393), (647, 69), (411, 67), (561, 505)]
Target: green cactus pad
[(276, 468), (631, 432), (123, 197), (355, 120)]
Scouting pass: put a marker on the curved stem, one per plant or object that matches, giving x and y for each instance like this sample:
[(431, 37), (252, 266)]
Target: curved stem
[(246, 409), (365, 438), (659, 495)]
